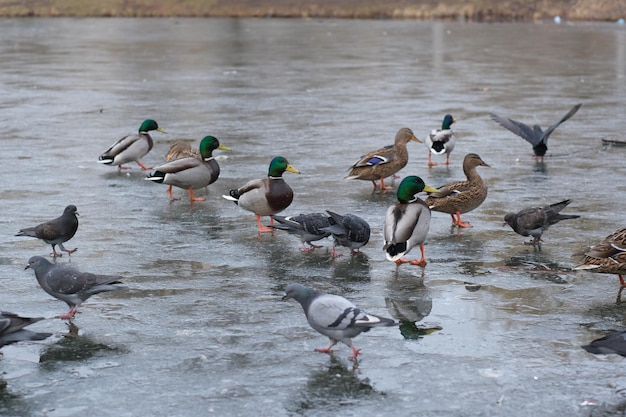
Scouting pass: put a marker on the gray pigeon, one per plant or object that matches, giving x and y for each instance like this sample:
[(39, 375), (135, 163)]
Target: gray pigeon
[(535, 135), (12, 329), (611, 343), (56, 231), (533, 221), (334, 316), (350, 231), (70, 285), (307, 226)]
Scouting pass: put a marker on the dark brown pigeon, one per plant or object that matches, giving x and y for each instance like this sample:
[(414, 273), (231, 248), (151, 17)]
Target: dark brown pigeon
[(533, 221), (70, 285), (56, 231)]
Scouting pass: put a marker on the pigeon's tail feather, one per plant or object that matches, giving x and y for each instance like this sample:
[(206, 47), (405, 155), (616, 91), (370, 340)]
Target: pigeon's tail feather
[(372, 320), (27, 232)]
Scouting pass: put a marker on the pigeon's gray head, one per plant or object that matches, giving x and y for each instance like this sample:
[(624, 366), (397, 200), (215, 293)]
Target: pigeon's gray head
[(298, 292), (509, 219), (37, 262), (71, 209)]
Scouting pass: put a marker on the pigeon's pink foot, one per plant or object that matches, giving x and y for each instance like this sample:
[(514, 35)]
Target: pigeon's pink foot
[(324, 350)]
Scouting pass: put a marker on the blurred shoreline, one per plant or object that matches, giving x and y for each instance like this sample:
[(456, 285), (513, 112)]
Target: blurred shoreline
[(461, 10)]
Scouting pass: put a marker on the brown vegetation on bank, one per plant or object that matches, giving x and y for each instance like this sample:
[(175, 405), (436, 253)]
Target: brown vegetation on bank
[(470, 10)]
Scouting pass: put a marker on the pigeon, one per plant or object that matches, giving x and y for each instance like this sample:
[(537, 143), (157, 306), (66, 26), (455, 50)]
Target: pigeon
[(131, 147), (12, 329), (56, 231), (611, 343), (533, 221), (407, 222), (535, 135), (307, 226), (441, 141), (334, 316), (70, 285), (349, 230)]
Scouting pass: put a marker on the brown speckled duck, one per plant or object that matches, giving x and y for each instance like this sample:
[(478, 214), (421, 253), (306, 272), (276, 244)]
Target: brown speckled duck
[(608, 256), (385, 162), (267, 196), (458, 197)]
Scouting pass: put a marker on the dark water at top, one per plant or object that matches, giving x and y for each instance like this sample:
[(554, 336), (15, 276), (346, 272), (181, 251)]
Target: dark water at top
[(491, 327)]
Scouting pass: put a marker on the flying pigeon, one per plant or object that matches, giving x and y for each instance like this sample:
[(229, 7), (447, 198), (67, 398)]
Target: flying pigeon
[(334, 316), (533, 221), (535, 135), (70, 285), (349, 230), (12, 329), (56, 231)]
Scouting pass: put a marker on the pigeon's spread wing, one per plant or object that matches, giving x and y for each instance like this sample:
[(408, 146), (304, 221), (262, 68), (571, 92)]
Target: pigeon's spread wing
[(519, 128), (567, 116)]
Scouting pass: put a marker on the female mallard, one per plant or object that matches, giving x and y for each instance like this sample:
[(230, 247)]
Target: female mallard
[(460, 197), (384, 162), (608, 256), (267, 196), (407, 222), (441, 141), (190, 172), (181, 149), (132, 147)]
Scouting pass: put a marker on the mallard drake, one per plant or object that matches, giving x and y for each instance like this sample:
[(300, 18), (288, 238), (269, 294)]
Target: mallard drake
[(56, 231), (267, 196), (307, 226), (608, 256), (132, 147), (535, 135), (190, 172), (385, 162), (458, 197), (348, 230), (441, 141), (407, 222), (533, 221)]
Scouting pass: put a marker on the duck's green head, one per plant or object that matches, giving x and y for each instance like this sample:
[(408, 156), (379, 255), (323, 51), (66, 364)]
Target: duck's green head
[(279, 165), (410, 186), (447, 122), (209, 144), (150, 125)]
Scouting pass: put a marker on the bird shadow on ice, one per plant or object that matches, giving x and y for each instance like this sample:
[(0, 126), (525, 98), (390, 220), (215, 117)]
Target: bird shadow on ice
[(353, 267), (539, 266), (74, 347), (332, 389)]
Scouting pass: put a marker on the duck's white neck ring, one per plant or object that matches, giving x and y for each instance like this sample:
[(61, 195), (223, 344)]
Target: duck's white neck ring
[(275, 178)]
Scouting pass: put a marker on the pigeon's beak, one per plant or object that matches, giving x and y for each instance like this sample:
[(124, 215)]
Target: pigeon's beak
[(285, 297), (27, 266)]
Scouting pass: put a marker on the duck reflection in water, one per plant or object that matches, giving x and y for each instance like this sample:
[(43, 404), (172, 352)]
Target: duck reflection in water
[(409, 302)]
